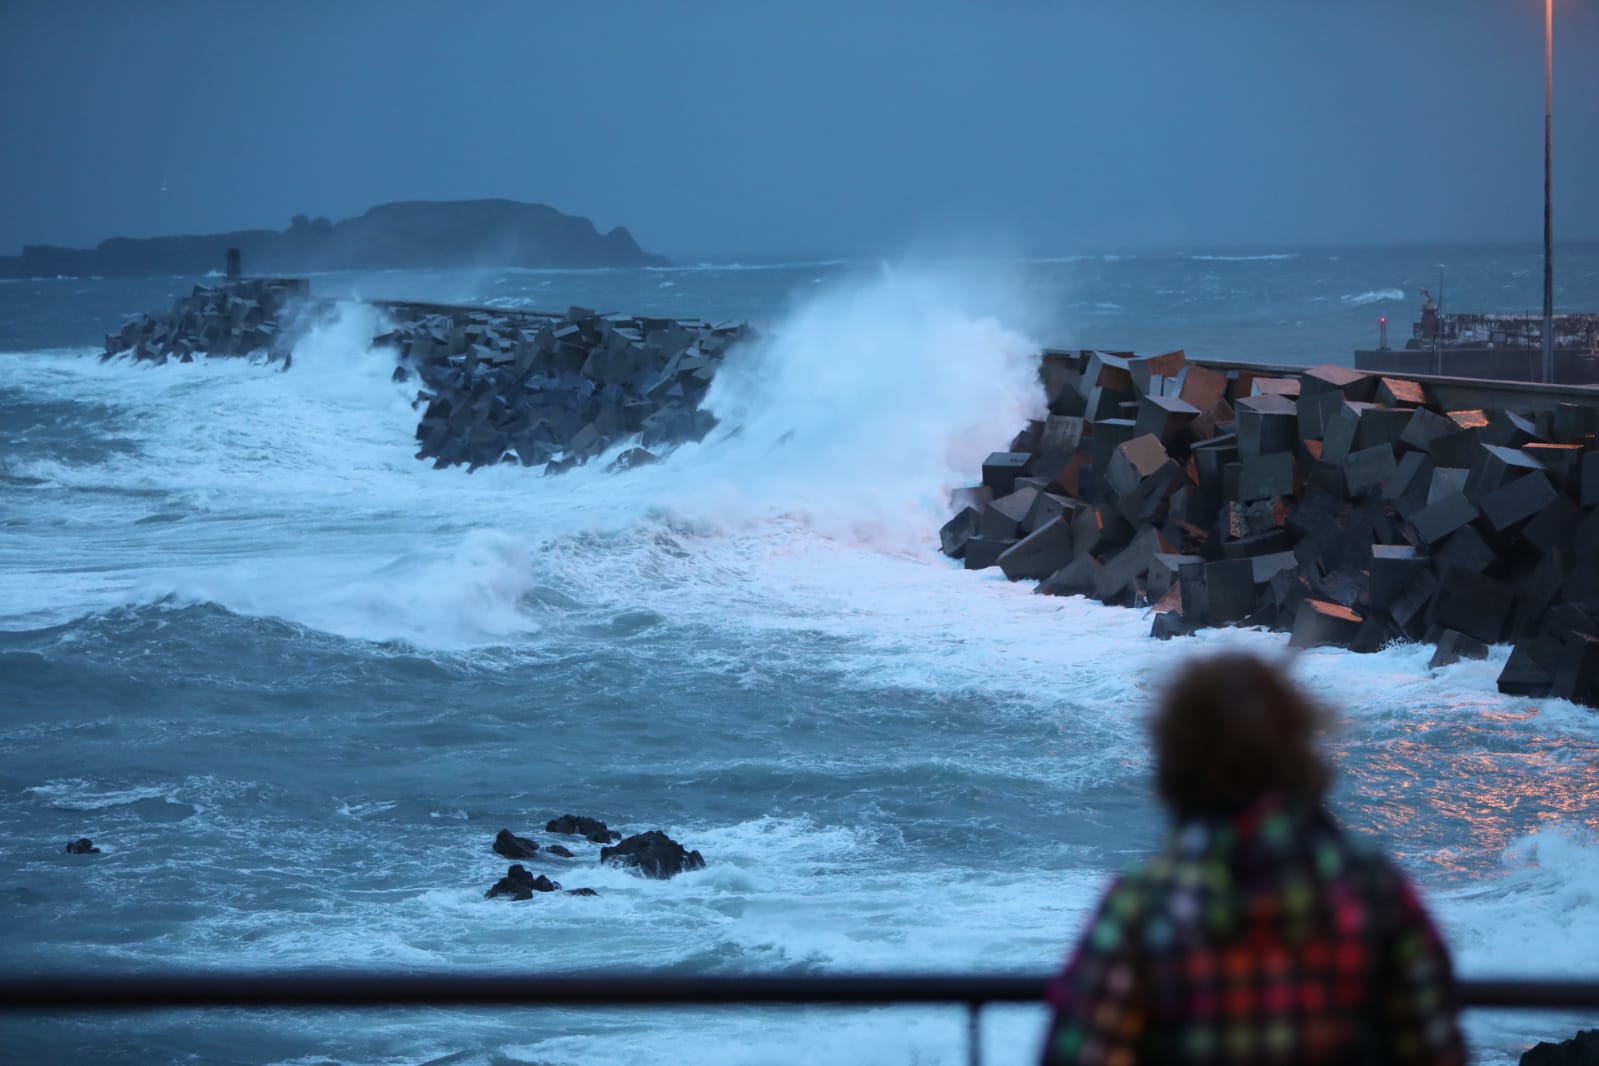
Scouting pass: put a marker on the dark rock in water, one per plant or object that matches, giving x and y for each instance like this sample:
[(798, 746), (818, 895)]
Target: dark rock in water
[(558, 849), (653, 854), (400, 376), (82, 846), (1580, 1050), (512, 846), (573, 825), (581, 892), (519, 883)]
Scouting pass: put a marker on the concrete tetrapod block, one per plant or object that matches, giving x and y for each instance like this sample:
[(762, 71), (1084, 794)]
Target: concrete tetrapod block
[(1213, 420), (1146, 502), (1133, 461), (1345, 586), (1477, 605), (1447, 481), (1003, 518), (1563, 462), (1510, 430), (978, 496), (1338, 435), (1047, 507), (1493, 466), (1229, 590), (1393, 568), (1266, 424), (1192, 590), (1108, 435), (1267, 475), (984, 552), (1100, 529), (1075, 478), (1272, 543), (1076, 578), (1554, 528), (1120, 573), (1203, 387), (1577, 670), (1107, 371), (1381, 425), (1061, 434), (1107, 403), (1397, 392), (1285, 387), (1411, 609), (1573, 421), (1315, 410), (1524, 675), (1265, 567), (1164, 417), (1512, 504), (954, 534), (1426, 426), (1028, 439), (1454, 646), (1410, 478), (1369, 469), (1149, 372), (1062, 391), (1163, 570), (1039, 554), (1001, 469), (1330, 377), (1318, 623), (1437, 520)]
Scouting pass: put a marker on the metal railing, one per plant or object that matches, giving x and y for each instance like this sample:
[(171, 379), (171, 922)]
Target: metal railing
[(85, 992)]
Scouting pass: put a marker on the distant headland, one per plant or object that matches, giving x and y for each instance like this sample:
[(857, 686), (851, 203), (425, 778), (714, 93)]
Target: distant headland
[(411, 234)]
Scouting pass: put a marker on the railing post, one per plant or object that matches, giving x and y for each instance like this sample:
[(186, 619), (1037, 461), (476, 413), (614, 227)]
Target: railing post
[(974, 1033)]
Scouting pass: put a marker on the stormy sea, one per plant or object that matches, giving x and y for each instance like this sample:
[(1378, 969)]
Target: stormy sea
[(292, 681)]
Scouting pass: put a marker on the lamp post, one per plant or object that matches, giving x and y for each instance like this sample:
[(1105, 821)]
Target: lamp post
[(1548, 217)]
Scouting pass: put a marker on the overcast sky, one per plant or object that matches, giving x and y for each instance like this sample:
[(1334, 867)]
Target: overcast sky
[(816, 127)]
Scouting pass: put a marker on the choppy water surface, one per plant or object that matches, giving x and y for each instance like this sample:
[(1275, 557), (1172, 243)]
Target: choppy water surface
[(292, 681)]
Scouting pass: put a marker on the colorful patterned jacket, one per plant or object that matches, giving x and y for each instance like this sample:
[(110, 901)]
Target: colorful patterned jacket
[(1268, 938)]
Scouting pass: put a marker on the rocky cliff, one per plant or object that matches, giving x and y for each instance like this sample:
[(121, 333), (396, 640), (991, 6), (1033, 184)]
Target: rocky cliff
[(413, 234)]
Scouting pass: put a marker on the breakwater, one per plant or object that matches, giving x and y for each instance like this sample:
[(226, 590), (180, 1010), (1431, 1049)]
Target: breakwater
[(1343, 508), (543, 389)]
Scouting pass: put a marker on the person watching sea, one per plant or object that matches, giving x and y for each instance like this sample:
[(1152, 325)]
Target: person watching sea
[(1261, 932)]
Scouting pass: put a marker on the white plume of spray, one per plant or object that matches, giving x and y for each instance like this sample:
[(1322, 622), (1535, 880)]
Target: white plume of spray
[(864, 406)]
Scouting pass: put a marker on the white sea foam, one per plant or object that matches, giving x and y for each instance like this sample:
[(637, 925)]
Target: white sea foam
[(1272, 257), (1362, 299)]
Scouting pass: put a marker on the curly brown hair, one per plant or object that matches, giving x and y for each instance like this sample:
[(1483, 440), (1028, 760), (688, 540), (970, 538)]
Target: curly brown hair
[(1231, 728)]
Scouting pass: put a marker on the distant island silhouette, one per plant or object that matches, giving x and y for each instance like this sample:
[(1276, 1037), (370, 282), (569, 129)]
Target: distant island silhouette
[(411, 234)]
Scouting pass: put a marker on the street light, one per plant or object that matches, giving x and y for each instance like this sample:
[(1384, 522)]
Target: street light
[(1548, 217)]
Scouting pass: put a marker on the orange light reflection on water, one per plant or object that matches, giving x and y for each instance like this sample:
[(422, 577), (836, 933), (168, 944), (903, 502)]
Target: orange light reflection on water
[(1474, 778)]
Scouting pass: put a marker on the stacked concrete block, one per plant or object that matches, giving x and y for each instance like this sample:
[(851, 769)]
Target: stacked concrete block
[(1343, 508), (537, 388), (254, 317)]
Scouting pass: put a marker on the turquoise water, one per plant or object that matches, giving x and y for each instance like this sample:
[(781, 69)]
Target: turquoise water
[(292, 681)]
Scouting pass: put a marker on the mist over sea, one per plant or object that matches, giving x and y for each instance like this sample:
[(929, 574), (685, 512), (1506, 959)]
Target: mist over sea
[(292, 680)]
